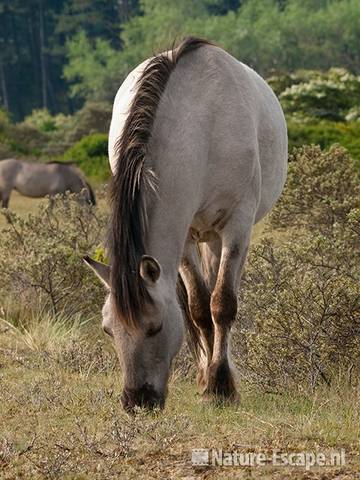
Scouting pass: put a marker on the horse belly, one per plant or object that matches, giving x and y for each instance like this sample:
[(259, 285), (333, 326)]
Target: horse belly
[(35, 185), (208, 222)]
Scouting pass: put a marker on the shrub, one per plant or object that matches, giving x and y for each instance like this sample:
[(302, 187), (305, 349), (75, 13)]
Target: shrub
[(94, 117), (27, 140), (5, 150), (20, 138), (41, 120), (91, 155), (41, 257), (4, 119), (300, 303), (322, 188), (322, 108), (300, 311), (328, 95), (44, 135), (325, 133), (5, 143)]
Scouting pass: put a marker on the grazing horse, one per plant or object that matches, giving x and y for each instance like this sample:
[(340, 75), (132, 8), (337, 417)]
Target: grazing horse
[(40, 179), (198, 150)]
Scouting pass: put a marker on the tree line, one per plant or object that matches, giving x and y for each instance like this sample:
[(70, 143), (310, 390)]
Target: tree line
[(33, 52), (56, 54)]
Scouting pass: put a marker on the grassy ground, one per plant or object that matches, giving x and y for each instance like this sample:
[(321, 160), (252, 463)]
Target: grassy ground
[(60, 414), (22, 205), (60, 417), (25, 205)]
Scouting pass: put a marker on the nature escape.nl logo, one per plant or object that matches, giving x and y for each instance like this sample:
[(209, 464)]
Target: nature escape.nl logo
[(201, 457)]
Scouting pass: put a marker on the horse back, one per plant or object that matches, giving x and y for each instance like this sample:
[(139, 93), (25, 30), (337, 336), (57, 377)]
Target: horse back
[(220, 131)]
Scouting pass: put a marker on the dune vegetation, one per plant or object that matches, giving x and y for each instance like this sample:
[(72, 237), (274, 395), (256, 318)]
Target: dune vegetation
[(295, 344)]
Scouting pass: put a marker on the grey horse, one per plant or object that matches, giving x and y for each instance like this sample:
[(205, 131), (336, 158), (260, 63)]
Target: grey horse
[(198, 149), (40, 179)]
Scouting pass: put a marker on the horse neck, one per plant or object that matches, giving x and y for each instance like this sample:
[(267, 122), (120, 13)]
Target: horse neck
[(165, 240)]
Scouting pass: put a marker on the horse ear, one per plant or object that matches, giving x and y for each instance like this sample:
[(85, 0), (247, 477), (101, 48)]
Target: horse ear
[(150, 269), (100, 269)]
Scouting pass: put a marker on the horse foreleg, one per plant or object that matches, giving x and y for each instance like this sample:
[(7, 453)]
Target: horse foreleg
[(220, 379)]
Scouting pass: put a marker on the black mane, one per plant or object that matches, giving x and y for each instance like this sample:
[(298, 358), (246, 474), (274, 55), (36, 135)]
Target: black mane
[(127, 230)]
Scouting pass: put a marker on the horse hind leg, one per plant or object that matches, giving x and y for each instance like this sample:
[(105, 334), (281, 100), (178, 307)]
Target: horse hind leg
[(223, 304), (197, 278), (4, 198)]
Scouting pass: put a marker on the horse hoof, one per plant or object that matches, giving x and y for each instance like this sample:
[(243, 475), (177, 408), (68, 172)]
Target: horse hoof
[(219, 385)]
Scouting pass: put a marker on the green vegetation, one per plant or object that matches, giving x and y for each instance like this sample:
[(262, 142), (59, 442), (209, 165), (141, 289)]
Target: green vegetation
[(296, 344), (313, 65), (91, 155), (322, 108), (325, 134), (48, 246), (331, 95), (86, 47)]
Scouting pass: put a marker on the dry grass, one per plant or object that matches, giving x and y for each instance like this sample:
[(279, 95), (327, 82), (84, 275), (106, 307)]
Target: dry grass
[(25, 205), (60, 416), (22, 205)]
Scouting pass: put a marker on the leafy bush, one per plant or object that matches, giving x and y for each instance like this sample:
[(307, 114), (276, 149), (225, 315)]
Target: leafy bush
[(330, 95), (93, 117), (5, 150), (4, 119), (47, 136), (325, 133), (300, 305), (5, 143), (43, 120), (41, 257), (91, 155), (322, 188), (322, 108), (27, 140), (21, 138)]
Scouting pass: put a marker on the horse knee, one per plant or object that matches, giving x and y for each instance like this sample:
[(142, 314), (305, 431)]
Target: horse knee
[(223, 306)]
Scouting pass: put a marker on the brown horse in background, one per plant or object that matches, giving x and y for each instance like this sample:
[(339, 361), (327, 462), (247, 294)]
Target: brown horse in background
[(38, 180)]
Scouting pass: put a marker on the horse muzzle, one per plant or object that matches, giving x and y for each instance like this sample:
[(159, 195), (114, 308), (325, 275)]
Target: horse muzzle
[(143, 397)]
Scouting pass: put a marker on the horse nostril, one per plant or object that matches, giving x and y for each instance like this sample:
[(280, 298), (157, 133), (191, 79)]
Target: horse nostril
[(145, 397)]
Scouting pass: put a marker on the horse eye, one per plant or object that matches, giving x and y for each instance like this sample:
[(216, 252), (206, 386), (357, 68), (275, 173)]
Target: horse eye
[(152, 331), (108, 331)]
